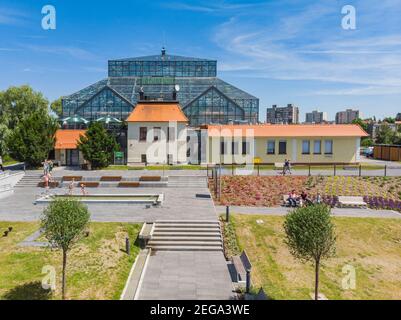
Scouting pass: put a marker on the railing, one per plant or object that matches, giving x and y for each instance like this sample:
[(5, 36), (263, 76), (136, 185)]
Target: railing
[(336, 169)]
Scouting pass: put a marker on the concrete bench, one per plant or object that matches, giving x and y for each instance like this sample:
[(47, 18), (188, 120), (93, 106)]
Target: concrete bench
[(350, 201), (279, 165), (241, 263)]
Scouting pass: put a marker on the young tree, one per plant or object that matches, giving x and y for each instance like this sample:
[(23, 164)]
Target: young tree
[(98, 146), (33, 138), (310, 236), (64, 222)]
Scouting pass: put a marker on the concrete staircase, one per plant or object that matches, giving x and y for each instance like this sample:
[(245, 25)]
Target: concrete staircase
[(30, 179), (187, 181), (186, 235)]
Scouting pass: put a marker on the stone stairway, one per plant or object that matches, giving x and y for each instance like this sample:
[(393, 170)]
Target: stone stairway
[(186, 235), (30, 179), (187, 181)]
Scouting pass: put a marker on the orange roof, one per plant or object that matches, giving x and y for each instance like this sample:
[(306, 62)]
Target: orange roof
[(67, 138), (300, 130), (157, 112)]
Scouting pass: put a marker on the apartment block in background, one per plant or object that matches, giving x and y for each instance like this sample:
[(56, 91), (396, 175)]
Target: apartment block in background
[(316, 117), (282, 115), (347, 116)]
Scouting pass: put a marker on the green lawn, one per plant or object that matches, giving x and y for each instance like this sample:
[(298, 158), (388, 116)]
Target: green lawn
[(371, 246), (97, 267)]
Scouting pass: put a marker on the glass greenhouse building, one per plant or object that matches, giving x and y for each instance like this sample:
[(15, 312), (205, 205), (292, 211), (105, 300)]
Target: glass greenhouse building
[(193, 82)]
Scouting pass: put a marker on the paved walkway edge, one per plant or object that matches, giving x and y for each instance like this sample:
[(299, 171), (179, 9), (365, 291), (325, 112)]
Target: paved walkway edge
[(135, 276), (136, 296)]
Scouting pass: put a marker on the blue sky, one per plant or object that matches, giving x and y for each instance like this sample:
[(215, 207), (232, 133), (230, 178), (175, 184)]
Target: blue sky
[(287, 51)]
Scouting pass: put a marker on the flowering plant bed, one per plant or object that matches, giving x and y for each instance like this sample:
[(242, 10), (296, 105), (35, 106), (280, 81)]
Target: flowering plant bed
[(268, 191)]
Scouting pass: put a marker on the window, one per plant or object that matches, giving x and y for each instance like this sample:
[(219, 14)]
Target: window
[(271, 147), (245, 147), (143, 158), (222, 147), (282, 147), (156, 133), (317, 147), (328, 147), (188, 152), (143, 131), (305, 147)]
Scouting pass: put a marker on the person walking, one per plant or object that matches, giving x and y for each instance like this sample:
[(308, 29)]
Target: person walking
[(1, 164), (45, 167)]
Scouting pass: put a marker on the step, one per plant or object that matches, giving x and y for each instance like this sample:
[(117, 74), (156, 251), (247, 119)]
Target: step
[(187, 221), (187, 248), (180, 230), (192, 238), (152, 243), (186, 234), (186, 225)]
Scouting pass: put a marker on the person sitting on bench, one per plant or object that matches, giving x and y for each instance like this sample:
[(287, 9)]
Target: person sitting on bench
[(305, 199), (292, 199)]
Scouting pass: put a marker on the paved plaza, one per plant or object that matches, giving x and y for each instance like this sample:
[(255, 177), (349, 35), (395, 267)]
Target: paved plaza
[(181, 275)]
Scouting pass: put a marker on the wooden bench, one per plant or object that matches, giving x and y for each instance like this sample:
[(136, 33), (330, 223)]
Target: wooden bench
[(150, 178), (110, 178), (348, 201), (241, 263), (70, 178), (89, 184), (127, 184)]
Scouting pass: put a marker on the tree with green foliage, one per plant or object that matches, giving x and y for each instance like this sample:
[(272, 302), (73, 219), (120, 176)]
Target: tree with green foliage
[(57, 107), (33, 138), (16, 104), (361, 123), (365, 141), (64, 223), (98, 146), (389, 120), (385, 135), (310, 236)]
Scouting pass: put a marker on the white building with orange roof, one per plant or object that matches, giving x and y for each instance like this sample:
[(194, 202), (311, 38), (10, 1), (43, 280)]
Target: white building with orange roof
[(157, 134)]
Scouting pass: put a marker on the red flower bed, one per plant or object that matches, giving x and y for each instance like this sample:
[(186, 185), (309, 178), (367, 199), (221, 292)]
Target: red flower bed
[(258, 191)]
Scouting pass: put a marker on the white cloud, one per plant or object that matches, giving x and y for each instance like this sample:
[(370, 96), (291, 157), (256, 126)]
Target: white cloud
[(12, 17), (310, 45)]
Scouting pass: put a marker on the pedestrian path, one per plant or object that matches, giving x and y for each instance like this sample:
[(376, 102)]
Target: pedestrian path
[(340, 212)]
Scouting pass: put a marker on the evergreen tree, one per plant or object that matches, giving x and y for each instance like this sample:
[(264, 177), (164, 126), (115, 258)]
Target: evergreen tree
[(33, 138), (98, 146)]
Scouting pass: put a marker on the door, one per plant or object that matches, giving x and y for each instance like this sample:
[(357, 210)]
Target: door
[(73, 157)]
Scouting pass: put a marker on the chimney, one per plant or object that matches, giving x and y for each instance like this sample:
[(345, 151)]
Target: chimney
[(141, 94)]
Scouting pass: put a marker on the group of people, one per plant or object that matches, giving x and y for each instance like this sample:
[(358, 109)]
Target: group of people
[(301, 200), (286, 167), (71, 187), (47, 172)]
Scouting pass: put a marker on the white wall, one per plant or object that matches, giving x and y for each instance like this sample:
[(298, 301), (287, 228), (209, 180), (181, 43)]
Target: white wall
[(157, 152)]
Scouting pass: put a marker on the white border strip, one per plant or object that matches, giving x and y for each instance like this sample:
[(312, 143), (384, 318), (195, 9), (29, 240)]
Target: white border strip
[(138, 289)]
